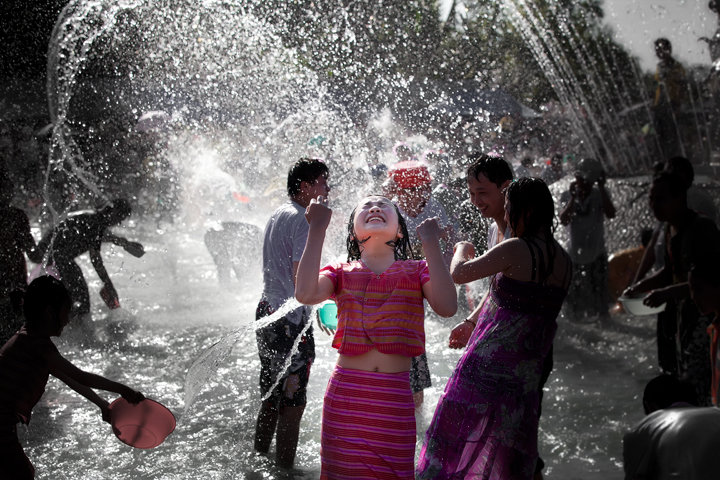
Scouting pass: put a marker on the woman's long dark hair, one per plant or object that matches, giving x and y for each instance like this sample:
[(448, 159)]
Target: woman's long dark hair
[(530, 200), (401, 246)]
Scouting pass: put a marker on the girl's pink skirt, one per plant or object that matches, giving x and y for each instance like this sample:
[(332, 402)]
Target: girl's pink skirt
[(368, 426)]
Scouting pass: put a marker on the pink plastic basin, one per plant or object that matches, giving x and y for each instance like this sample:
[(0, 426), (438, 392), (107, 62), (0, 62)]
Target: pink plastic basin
[(145, 425)]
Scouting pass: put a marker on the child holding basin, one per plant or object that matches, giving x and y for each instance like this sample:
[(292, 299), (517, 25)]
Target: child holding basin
[(27, 360), (368, 425)]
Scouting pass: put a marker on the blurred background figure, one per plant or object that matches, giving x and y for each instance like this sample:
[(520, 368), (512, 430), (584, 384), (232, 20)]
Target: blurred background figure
[(671, 91), (233, 247), (524, 169), (587, 204), (553, 170)]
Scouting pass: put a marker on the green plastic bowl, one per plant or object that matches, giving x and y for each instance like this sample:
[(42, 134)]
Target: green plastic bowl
[(328, 314)]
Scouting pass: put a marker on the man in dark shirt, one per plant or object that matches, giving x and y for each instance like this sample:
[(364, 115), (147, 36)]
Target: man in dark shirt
[(690, 239)]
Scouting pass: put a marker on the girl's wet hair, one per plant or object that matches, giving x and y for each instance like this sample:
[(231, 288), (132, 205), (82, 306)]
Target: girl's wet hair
[(530, 200), (401, 246)]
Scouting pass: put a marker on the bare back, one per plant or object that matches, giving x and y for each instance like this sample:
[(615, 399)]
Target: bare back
[(537, 260)]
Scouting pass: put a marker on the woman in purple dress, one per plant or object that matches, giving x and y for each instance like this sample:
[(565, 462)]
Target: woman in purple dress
[(485, 425)]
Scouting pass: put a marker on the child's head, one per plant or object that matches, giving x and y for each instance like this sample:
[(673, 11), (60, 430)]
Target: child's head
[(46, 306), (403, 151), (487, 177), (377, 216), (308, 170), (529, 208)]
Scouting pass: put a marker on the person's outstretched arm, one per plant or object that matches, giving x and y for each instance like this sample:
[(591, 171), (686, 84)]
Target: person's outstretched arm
[(440, 289), (465, 267), (659, 279), (97, 262), (83, 383), (310, 287), (133, 248)]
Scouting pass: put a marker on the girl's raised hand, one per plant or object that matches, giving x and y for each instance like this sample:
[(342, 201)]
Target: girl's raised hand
[(318, 213), (429, 229)]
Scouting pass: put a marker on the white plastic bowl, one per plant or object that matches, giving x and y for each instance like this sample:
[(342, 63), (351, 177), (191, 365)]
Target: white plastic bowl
[(635, 306)]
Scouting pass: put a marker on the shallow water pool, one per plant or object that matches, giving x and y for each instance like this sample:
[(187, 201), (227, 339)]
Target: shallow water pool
[(173, 309)]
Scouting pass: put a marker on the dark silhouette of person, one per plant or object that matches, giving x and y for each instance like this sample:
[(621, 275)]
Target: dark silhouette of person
[(677, 439), (670, 94), (85, 232), (689, 238), (587, 203), (714, 42), (16, 241), (26, 362)]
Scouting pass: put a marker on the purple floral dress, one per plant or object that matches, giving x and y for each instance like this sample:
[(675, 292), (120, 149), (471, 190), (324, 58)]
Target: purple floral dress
[(485, 425)]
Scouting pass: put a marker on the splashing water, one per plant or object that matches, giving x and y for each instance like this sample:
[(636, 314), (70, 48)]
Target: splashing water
[(207, 365), (240, 108)]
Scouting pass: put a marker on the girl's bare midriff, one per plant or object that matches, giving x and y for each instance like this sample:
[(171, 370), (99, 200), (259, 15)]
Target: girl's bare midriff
[(375, 361)]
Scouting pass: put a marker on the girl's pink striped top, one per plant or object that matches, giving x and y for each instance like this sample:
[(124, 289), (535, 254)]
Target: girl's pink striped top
[(382, 311)]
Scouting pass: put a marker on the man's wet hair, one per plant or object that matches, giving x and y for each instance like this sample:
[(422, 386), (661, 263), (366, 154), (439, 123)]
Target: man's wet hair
[(495, 168), (305, 170), (43, 292)]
